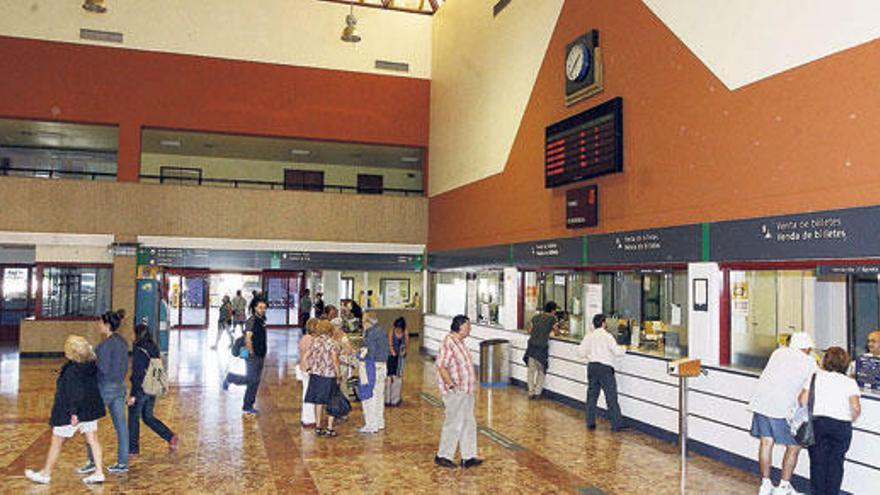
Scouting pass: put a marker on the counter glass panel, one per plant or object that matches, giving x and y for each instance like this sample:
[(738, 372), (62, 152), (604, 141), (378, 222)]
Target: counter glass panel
[(490, 296), (449, 293)]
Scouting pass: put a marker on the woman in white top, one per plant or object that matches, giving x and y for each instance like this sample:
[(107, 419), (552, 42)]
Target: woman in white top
[(835, 406)]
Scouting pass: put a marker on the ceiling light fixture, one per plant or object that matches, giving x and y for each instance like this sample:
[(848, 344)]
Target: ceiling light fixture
[(410, 159), (296, 152), (349, 33), (170, 143), (94, 6)]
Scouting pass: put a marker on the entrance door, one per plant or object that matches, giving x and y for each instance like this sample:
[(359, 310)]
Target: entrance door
[(282, 291), (16, 299)]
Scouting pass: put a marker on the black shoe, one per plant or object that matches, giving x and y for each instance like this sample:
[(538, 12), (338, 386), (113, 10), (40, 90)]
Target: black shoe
[(620, 428), (472, 462), (443, 462), (591, 427)]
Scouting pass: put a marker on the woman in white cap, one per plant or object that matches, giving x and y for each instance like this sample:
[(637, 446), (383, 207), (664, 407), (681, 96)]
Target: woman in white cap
[(787, 373)]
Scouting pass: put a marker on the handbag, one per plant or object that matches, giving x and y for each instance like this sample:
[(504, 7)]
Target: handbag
[(338, 407), (805, 436)]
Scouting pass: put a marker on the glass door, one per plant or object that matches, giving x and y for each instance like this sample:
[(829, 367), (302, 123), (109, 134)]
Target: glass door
[(15, 301), (282, 291)]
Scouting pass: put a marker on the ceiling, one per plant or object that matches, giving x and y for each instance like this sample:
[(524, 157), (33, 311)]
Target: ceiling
[(58, 135), (184, 143), (413, 6)]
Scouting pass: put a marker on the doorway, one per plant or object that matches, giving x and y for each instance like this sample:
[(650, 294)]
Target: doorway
[(18, 288), (282, 291), (187, 298)]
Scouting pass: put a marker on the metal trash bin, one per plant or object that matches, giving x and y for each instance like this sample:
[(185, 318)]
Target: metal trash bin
[(494, 363)]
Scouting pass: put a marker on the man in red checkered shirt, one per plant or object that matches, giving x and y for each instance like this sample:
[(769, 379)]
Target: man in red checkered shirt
[(457, 380)]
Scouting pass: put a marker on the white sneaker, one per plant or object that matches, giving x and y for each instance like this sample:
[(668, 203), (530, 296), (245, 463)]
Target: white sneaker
[(37, 476), (785, 490), (766, 488), (366, 430), (97, 477)]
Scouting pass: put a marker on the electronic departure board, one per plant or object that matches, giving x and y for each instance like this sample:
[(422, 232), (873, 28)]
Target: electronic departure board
[(586, 145)]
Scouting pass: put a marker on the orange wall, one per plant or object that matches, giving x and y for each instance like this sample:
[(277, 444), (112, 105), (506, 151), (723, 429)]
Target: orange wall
[(52, 81), (806, 139)]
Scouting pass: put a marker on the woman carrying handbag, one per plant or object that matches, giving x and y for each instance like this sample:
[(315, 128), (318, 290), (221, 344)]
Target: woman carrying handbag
[(833, 408)]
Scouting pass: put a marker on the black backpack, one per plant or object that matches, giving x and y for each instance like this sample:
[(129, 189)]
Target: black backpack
[(237, 345)]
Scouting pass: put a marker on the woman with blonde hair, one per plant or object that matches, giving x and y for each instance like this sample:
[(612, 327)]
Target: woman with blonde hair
[(307, 416), (323, 361), (77, 407)]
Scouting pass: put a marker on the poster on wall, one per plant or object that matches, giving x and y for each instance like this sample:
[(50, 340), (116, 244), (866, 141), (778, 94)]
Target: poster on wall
[(592, 302), (395, 292)]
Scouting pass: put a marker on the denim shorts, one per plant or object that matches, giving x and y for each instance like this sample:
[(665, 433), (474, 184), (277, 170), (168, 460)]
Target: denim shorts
[(776, 428)]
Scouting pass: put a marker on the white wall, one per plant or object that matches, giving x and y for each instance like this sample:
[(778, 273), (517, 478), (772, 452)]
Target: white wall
[(744, 41), (289, 32), (482, 76)]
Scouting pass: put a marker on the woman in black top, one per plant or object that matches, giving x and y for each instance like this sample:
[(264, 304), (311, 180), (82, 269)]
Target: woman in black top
[(77, 407), (140, 404)]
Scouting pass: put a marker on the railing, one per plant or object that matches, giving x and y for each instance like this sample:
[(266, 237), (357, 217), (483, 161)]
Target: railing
[(265, 184), (48, 173)]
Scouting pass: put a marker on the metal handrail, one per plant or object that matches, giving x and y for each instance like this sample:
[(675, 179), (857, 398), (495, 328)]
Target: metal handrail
[(53, 174), (237, 183)]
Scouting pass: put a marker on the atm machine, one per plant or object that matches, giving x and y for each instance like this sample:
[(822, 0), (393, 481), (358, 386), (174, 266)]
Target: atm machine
[(149, 309)]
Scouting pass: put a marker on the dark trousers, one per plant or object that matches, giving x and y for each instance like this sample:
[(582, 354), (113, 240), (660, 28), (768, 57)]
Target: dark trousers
[(600, 377), (826, 455), (251, 379), (143, 408)]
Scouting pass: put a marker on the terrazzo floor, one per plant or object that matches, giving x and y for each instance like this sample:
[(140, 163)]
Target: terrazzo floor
[(530, 447)]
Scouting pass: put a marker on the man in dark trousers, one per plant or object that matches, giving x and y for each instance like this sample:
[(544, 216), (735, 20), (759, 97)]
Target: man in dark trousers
[(601, 351), (537, 355), (254, 352)]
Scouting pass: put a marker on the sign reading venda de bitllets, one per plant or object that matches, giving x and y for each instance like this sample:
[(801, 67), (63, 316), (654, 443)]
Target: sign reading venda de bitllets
[(664, 245), (833, 234), (562, 252)]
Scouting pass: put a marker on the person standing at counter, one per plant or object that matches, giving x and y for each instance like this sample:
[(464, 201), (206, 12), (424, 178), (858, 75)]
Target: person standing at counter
[(836, 404), (376, 342), (787, 373), (457, 381), (601, 351), (537, 354)]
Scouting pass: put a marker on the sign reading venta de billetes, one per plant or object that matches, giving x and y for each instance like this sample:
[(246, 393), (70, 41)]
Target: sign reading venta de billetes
[(837, 234), (664, 245), (566, 251)]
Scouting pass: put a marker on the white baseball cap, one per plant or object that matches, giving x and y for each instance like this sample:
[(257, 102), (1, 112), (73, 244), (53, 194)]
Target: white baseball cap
[(800, 341)]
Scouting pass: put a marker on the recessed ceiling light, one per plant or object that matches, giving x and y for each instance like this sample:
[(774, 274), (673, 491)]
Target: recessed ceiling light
[(209, 146), (296, 152), (170, 143), (410, 159)]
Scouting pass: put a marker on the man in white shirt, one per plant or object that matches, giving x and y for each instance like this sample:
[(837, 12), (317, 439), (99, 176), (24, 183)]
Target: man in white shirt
[(787, 373), (601, 351)]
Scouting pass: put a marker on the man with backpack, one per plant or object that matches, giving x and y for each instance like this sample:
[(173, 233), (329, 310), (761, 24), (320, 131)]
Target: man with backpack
[(253, 350)]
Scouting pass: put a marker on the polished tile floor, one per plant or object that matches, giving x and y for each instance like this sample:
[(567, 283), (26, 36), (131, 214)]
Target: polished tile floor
[(529, 446)]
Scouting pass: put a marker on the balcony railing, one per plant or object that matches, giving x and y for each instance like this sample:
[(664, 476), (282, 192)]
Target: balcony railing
[(264, 184), (46, 173)]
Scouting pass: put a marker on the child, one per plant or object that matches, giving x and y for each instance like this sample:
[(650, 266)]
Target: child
[(77, 407)]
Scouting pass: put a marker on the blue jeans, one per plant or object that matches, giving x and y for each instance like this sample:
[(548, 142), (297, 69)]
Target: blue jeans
[(254, 372), (114, 398), (143, 408)]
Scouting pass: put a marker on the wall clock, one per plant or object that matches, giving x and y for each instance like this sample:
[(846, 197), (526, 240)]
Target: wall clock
[(583, 68)]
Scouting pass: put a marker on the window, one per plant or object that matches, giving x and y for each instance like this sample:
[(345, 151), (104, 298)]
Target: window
[(450, 293), (490, 296), (346, 287), (74, 291), (304, 180), (767, 306), (394, 292), (369, 184)]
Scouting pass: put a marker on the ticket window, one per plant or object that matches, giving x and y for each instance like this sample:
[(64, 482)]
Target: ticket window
[(767, 306)]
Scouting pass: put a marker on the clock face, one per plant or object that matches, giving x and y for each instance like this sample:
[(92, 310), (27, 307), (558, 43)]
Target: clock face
[(577, 63)]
